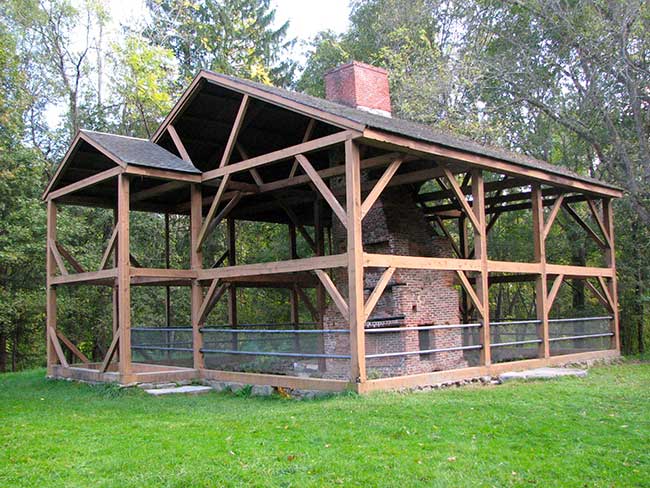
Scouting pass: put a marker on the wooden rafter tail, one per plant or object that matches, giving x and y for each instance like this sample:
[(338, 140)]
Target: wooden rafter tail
[(109, 248), (376, 294), (334, 293), (111, 352), (54, 250), (323, 189), (380, 186), (69, 258), (460, 196), (57, 347), (470, 292), (72, 347)]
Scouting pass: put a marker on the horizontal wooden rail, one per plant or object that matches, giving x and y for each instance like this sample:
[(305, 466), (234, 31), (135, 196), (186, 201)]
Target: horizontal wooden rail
[(275, 267), (103, 277)]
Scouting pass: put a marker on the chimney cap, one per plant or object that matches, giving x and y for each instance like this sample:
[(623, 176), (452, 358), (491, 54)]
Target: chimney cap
[(360, 65)]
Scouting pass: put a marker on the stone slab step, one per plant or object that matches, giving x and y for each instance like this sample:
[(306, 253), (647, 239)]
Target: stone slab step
[(187, 390), (542, 374)]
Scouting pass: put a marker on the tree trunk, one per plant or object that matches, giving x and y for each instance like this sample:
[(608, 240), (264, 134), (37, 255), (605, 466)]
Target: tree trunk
[(3, 352)]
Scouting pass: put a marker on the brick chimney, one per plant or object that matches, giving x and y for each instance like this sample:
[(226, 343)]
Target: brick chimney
[(361, 86)]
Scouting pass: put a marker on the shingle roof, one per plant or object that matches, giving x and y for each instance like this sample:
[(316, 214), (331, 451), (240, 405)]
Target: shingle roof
[(413, 130), (140, 152)]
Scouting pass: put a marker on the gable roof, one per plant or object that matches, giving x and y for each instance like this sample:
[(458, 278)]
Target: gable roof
[(394, 125), (140, 152)]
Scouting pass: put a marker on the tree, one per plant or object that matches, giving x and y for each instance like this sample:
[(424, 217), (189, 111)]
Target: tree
[(143, 81), (229, 36)]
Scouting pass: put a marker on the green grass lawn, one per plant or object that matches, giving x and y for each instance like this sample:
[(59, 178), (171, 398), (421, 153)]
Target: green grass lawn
[(578, 432)]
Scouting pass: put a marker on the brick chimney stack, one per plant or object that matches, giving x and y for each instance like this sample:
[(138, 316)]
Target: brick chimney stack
[(361, 86)]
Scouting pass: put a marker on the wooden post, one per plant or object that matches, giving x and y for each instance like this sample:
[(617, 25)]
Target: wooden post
[(196, 262), (541, 287), (232, 290), (116, 318), (168, 300), (463, 246), (355, 263), (124, 278), (610, 258), (480, 253), (319, 237), (50, 289), (293, 293)]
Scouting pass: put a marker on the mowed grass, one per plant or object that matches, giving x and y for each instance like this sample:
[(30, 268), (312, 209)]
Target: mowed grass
[(587, 432)]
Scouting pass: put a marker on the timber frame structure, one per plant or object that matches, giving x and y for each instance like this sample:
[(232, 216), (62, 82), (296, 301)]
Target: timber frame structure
[(233, 150)]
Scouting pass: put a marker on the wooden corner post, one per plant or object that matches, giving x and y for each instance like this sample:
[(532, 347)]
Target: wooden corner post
[(124, 278), (50, 289), (355, 263), (480, 253), (541, 286), (610, 258), (196, 262)]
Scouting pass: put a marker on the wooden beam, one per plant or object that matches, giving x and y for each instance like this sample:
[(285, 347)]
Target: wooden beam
[(333, 292), (578, 271), (553, 293), (231, 239), (109, 248), (310, 306), (72, 347), (276, 267), (355, 263), (180, 147), (385, 139), (124, 278), (599, 221), (541, 286), (196, 263), (69, 258), (157, 190), (57, 258), (207, 300), (416, 262), (610, 259), (467, 286), (460, 196), (480, 245), (610, 300), (85, 183), (57, 347), (597, 294), (112, 349), (50, 290), (232, 203), (296, 222), (323, 189), (380, 186), (213, 209), (585, 226), (280, 155), (377, 292), (234, 132), (306, 136), (162, 174), (551, 217)]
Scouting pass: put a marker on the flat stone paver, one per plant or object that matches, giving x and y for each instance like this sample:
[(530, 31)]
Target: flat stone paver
[(542, 373), (188, 390)]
